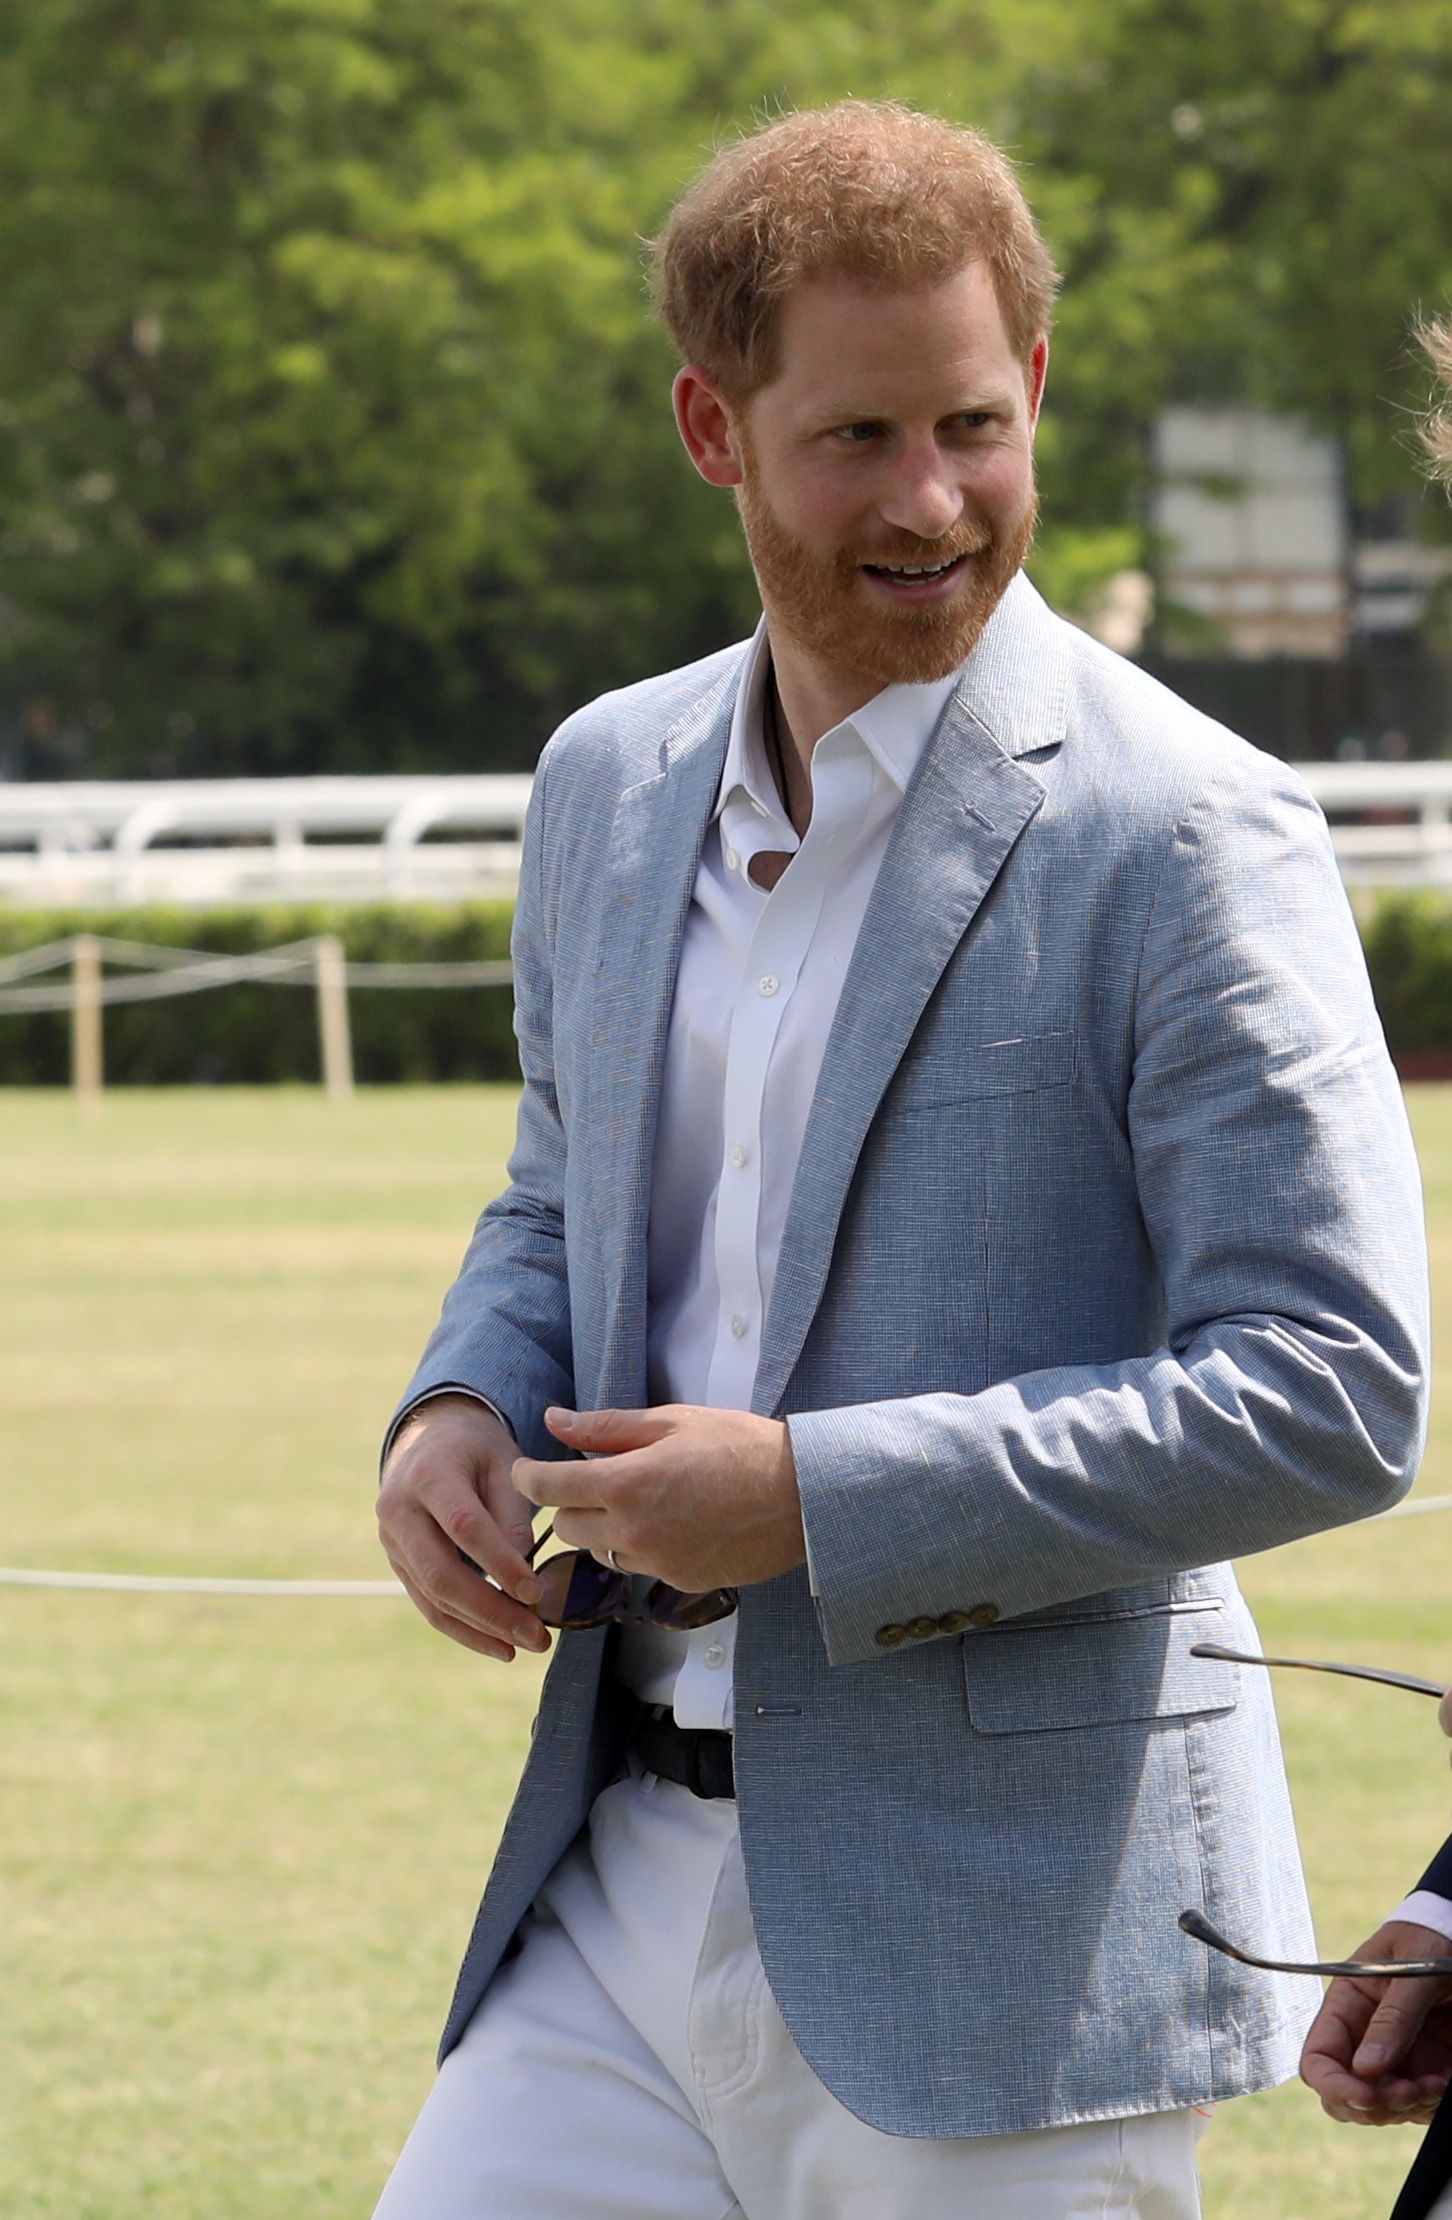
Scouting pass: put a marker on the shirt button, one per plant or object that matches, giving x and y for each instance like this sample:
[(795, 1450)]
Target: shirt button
[(738, 1326), (738, 1156), (733, 860), (767, 983), (714, 1656)]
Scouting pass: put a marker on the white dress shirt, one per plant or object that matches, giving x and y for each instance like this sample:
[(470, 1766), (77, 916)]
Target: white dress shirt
[(1424, 1908), (759, 980)]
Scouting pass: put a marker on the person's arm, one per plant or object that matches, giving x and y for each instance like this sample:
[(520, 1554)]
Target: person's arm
[(1381, 2051), (500, 1353), (1279, 1191), (504, 1330), (1430, 1903)]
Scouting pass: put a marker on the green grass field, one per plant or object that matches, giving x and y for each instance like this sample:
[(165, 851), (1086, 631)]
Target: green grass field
[(242, 1838)]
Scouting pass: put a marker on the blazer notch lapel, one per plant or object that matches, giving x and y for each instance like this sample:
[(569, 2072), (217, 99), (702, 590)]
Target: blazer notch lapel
[(958, 824), (651, 860)]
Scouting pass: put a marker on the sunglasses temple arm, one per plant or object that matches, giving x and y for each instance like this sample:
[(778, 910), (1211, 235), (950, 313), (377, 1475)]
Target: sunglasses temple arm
[(1403, 1969), (538, 1543), (1382, 1675)]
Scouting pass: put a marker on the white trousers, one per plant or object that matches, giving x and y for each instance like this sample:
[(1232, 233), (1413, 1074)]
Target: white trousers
[(630, 2063)]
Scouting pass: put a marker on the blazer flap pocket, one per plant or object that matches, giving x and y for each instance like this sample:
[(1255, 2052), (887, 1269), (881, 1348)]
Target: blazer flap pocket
[(940, 1069), (1093, 1672)]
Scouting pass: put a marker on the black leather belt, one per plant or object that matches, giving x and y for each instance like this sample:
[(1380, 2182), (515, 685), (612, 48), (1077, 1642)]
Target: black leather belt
[(697, 1758)]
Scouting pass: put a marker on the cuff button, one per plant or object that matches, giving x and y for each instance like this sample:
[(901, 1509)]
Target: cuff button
[(888, 1637), (983, 1614), (919, 1629)]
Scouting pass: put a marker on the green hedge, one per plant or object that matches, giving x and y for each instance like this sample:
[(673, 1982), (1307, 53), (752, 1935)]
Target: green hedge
[(1408, 943), (262, 1033)]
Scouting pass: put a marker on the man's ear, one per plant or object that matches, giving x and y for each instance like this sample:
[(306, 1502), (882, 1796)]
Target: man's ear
[(703, 420), (1036, 370)]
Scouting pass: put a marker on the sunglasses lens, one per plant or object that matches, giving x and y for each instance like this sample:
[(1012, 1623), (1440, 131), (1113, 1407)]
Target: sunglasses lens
[(577, 1591), (681, 1612)]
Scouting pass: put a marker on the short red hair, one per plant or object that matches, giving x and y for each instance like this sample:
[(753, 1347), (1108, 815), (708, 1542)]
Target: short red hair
[(866, 189)]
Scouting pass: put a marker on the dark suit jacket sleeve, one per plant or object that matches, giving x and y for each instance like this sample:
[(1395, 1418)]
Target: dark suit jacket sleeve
[(1438, 1876)]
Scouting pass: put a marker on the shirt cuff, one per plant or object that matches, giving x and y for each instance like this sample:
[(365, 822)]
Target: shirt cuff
[(1424, 1908), (431, 1395)]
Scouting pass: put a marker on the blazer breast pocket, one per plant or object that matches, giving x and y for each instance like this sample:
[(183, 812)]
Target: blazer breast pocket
[(941, 1069), (1095, 1672)]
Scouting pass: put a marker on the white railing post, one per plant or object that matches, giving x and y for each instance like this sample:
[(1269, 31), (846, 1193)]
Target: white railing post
[(334, 1038), (86, 1052)]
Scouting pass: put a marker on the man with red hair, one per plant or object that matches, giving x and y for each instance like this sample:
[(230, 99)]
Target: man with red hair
[(960, 1200)]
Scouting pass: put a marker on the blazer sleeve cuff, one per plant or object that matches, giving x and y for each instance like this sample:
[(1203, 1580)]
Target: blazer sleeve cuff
[(874, 1591)]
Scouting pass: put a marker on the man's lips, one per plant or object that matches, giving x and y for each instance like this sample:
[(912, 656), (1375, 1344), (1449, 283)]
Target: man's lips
[(917, 581)]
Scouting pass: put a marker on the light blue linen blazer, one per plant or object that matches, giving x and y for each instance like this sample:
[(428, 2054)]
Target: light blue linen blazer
[(1104, 1264)]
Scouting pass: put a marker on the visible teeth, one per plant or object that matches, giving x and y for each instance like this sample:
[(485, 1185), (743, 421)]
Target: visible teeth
[(903, 570)]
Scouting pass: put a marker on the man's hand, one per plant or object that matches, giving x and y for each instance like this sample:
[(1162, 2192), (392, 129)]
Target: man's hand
[(1380, 2052), (698, 1498), (447, 1486)]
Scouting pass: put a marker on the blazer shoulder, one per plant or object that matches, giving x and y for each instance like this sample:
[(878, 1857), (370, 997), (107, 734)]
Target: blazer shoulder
[(1158, 753), (622, 733)]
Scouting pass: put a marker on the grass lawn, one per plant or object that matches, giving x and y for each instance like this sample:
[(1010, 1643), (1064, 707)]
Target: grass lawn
[(242, 1839)]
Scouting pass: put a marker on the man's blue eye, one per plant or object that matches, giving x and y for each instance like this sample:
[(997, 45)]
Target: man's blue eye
[(858, 434)]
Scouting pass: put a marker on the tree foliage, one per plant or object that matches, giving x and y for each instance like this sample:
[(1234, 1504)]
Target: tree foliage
[(333, 427)]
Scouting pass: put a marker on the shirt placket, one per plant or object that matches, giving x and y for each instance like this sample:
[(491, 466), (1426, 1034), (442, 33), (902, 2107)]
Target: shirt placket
[(789, 917)]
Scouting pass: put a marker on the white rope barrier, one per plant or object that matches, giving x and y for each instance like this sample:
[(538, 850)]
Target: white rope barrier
[(1414, 1509), (192, 971), (168, 1584)]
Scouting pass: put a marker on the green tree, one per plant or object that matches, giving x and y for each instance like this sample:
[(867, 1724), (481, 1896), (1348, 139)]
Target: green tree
[(333, 428)]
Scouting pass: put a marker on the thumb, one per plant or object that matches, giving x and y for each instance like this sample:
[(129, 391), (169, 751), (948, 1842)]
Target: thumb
[(606, 1431), (1390, 2029)]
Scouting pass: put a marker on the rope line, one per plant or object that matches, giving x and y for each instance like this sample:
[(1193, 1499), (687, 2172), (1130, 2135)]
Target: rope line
[(169, 1584), (176, 971)]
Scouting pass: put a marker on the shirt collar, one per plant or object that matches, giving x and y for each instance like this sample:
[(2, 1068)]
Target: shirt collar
[(894, 727)]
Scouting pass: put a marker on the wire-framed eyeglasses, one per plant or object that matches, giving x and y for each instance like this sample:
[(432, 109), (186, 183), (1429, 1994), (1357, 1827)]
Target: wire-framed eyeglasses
[(1195, 1923), (578, 1591)]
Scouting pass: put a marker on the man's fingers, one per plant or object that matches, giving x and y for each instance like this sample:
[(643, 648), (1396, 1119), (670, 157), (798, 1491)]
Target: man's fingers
[(469, 1638), (446, 1588), (1392, 2026), (1444, 1713), (608, 1431), (581, 1484), (408, 1506)]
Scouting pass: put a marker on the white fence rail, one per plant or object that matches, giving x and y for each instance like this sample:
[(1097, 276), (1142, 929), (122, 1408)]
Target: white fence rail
[(1391, 822), (205, 841)]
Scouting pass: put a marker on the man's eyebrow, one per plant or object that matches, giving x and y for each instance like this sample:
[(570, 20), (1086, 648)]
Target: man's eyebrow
[(845, 412)]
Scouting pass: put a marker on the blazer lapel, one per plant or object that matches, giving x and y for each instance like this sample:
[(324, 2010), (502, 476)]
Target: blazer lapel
[(966, 806), (654, 849)]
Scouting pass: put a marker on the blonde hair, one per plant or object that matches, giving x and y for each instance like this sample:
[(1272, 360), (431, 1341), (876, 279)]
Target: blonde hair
[(1437, 429), (866, 189)]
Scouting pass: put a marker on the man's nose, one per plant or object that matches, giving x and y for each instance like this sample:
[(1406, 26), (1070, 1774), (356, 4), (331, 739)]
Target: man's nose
[(922, 497)]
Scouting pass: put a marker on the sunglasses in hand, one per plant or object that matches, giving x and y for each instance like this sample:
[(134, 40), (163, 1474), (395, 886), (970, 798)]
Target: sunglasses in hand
[(1195, 1923), (578, 1591)]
